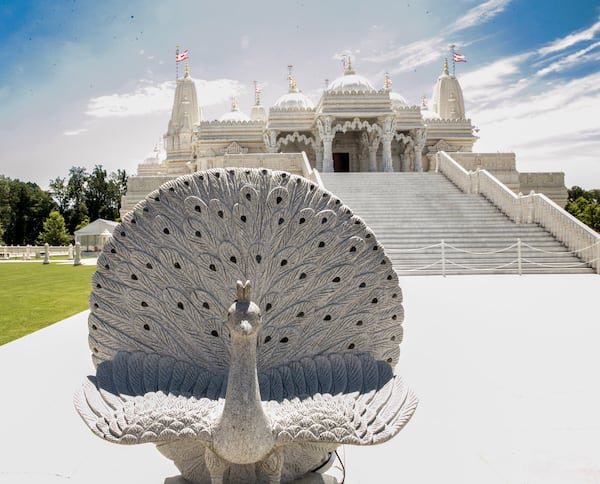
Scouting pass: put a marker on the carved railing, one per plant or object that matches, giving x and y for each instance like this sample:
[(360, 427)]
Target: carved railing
[(532, 208), (27, 252)]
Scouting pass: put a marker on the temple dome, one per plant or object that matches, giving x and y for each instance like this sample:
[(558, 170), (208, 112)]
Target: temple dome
[(351, 82), (398, 100), (235, 115), (294, 100)]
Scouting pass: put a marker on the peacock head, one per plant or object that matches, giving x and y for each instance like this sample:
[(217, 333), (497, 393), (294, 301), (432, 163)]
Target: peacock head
[(244, 317)]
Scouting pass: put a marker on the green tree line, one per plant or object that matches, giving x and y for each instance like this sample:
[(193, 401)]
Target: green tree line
[(585, 205), (30, 215)]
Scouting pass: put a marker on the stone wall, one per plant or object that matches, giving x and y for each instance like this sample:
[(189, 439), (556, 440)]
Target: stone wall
[(501, 165), (550, 184)]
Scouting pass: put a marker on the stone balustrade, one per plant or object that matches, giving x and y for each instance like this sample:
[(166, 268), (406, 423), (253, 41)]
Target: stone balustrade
[(27, 252), (533, 208)]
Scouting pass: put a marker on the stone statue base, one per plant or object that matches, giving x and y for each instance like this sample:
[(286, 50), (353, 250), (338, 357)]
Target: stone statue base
[(311, 478)]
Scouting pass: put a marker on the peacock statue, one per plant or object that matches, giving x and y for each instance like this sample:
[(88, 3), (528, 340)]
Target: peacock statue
[(247, 323)]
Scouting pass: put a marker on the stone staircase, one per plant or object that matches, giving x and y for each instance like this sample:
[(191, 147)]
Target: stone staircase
[(412, 213)]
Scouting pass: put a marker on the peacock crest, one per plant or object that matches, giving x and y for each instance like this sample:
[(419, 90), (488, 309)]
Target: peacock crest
[(318, 283)]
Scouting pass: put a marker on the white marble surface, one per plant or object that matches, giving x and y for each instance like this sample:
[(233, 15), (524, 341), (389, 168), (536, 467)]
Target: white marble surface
[(505, 368)]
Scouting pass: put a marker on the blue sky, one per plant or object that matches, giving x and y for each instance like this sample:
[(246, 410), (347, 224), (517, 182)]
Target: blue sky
[(85, 83)]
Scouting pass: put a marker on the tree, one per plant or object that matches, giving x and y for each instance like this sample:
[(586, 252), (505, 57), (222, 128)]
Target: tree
[(54, 231), (1, 234), (585, 205)]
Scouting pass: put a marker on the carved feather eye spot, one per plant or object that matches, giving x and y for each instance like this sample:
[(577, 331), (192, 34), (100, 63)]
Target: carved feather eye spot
[(166, 231), (324, 220), (157, 199), (147, 327), (383, 262), (283, 262), (258, 258), (264, 172), (248, 197), (232, 172), (171, 189), (302, 276), (353, 249), (267, 339), (186, 183), (362, 284), (96, 305), (389, 360), (302, 220), (198, 208), (220, 213), (180, 305), (268, 307), (357, 222), (134, 277), (336, 279), (337, 202), (217, 175), (368, 236), (327, 317), (123, 234), (394, 295), (99, 286), (300, 314), (394, 317), (321, 244), (284, 339), (243, 218), (198, 233), (311, 188), (107, 267), (393, 338), (280, 221), (94, 327), (144, 304), (359, 322), (145, 209), (95, 350), (278, 200), (351, 346), (389, 278), (375, 247), (247, 172), (325, 195), (214, 333), (133, 221), (298, 181), (233, 259), (349, 212), (201, 177), (284, 175), (212, 268), (148, 265), (374, 300), (206, 305), (177, 265)]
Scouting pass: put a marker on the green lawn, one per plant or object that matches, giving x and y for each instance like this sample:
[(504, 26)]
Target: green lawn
[(34, 295)]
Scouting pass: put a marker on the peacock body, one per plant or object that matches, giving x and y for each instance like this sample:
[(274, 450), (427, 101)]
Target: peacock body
[(269, 403)]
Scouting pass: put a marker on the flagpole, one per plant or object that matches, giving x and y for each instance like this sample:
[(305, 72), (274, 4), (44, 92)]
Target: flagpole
[(176, 62), (452, 46)]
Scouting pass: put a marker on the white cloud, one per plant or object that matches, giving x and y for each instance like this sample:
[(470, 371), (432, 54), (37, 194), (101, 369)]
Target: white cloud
[(245, 42), (158, 98), (571, 60), (75, 132), (571, 39), (479, 15)]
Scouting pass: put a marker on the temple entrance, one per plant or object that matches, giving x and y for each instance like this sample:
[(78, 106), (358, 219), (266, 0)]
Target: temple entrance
[(341, 162)]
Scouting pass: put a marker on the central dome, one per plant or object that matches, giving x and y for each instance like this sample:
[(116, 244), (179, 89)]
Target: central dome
[(294, 100), (351, 82)]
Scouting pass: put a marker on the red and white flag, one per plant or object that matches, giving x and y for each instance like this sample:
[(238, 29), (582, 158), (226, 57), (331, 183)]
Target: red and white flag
[(459, 57), (181, 56)]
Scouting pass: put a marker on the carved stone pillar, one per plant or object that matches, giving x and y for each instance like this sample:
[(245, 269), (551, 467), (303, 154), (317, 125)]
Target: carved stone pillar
[(386, 157), (327, 153), (319, 156), (373, 158), (420, 138)]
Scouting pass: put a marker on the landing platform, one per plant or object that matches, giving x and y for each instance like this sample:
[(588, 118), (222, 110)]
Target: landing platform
[(505, 367)]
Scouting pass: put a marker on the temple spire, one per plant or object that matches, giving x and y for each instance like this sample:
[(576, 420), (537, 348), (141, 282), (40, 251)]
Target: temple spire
[(291, 80), (257, 92), (446, 67), (387, 82)]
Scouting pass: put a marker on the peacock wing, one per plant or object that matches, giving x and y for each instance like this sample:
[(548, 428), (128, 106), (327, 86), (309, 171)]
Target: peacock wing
[(355, 400), (140, 397)]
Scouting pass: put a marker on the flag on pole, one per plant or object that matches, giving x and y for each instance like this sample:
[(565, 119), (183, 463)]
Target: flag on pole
[(181, 56), (459, 57)]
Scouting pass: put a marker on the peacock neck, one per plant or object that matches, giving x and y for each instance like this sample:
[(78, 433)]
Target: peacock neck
[(243, 434)]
